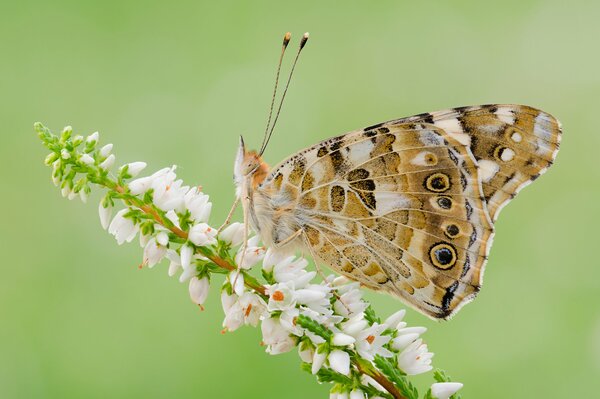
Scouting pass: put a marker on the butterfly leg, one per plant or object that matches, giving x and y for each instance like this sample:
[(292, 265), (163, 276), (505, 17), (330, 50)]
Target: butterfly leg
[(245, 242), (229, 215)]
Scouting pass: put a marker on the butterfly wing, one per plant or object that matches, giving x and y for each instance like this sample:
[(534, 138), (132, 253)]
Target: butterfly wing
[(406, 206), (513, 145), (397, 207)]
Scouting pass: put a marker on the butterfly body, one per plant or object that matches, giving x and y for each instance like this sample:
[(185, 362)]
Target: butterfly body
[(406, 206)]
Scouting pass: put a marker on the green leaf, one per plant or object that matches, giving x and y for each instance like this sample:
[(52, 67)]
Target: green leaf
[(371, 316), (395, 375), (314, 327)]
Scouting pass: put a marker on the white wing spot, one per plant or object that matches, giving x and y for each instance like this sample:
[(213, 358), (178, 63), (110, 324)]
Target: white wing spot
[(452, 126), (516, 137), (388, 202), (424, 158), (507, 155), (487, 169), (506, 115)]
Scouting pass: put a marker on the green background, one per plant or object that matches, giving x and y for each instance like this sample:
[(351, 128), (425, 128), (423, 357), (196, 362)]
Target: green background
[(178, 82)]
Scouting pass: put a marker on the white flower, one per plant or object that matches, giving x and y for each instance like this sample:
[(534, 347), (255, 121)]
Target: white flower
[(202, 234), (281, 296), (234, 234), (186, 253), (393, 321), (87, 159), (197, 203), (415, 359), (123, 228), (406, 336), (236, 279), (306, 353), (162, 238), (105, 150), (65, 154), (443, 390), (339, 361), (134, 168), (140, 186), (250, 254), (318, 360), (341, 339), (93, 138), (273, 257), (154, 252), (168, 192), (199, 289), (246, 309), (277, 339), (341, 395), (108, 162), (175, 264), (369, 342), (357, 394), (355, 325), (350, 301)]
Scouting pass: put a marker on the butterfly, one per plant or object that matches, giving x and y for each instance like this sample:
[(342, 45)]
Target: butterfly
[(406, 206)]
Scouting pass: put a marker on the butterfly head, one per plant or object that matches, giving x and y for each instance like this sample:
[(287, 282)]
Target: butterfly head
[(249, 168)]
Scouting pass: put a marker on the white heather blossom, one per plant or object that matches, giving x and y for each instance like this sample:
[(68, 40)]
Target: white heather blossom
[(281, 296), (202, 234), (341, 339), (236, 278), (250, 254), (168, 192), (140, 186), (105, 214), (443, 390), (406, 336), (198, 205), (239, 310), (154, 252), (87, 159), (273, 257), (355, 325), (105, 150), (341, 395), (93, 138), (369, 342), (186, 253), (162, 238), (339, 361), (123, 228), (357, 394), (306, 353), (318, 361), (108, 162), (65, 154), (134, 168), (175, 262), (394, 320), (415, 359), (233, 234), (199, 289), (277, 339), (350, 302)]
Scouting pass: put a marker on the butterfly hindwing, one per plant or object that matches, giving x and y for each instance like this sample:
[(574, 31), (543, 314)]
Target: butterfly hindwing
[(398, 208)]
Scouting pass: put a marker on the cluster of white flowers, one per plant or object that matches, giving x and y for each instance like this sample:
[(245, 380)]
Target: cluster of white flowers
[(335, 330)]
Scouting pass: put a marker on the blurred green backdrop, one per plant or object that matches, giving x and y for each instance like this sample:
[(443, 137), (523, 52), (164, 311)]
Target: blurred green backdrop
[(177, 82)]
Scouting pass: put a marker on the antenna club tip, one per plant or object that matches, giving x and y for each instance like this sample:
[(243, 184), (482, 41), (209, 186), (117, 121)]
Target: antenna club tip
[(286, 38), (303, 40)]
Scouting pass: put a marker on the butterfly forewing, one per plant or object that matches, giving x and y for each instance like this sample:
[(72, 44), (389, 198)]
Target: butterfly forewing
[(513, 145)]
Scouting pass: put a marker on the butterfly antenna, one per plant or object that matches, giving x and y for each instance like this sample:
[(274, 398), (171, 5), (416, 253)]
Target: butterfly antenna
[(286, 40), (302, 44)]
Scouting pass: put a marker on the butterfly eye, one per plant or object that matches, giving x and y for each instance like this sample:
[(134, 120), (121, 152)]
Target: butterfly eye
[(443, 256)]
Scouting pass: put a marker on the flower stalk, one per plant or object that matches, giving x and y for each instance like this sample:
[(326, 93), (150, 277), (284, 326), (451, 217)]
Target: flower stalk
[(339, 337)]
